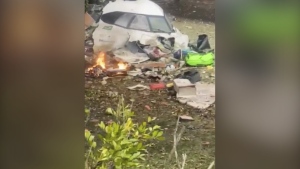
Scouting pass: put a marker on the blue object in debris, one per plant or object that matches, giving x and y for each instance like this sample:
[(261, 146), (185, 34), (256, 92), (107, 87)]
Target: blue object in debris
[(180, 54)]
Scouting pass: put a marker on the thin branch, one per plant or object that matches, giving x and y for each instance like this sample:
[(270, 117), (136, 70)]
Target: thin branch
[(211, 165), (177, 138), (184, 160)]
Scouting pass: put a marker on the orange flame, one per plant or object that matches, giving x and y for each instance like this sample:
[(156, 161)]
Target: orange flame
[(122, 65), (101, 60)]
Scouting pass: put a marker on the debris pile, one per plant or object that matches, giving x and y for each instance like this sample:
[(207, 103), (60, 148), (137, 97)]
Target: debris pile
[(161, 60), (162, 68)]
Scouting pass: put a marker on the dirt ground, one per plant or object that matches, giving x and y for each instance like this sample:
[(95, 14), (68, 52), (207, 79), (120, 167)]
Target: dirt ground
[(198, 140), (193, 9)]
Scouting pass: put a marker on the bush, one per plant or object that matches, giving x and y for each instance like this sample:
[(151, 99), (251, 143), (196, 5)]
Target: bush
[(123, 144)]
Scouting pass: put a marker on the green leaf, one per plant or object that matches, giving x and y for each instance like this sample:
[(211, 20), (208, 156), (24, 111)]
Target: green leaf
[(118, 166), (87, 112), (160, 138), (140, 128), (136, 133), (127, 156), (149, 119), (133, 140), (130, 164), (131, 114), (104, 152), (156, 127), (94, 144), (102, 125), (159, 134), (100, 137), (116, 128), (135, 155), (140, 146), (117, 161), (144, 124), (141, 156), (154, 134), (91, 138), (103, 159), (87, 134), (118, 147), (114, 144), (109, 110), (113, 134), (125, 142), (129, 121), (107, 129)]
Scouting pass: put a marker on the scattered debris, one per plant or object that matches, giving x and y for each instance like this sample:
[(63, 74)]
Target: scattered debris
[(103, 82), (184, 88), (151, 65), (105, 78), (168, 85), (138, 87), (156, 60), (192, 75), (162, 103), (170, 67), (186, 118), (157, 86), (94, 120), (202, 98), (206, 143), (127, 56), (134, 73)]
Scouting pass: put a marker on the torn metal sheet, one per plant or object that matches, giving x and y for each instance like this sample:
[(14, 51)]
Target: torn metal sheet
[(181, 41), (133, 58), (107, 38)]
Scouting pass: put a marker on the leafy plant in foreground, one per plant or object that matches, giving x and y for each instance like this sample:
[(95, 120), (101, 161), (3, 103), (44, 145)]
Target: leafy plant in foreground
[(123, 144)]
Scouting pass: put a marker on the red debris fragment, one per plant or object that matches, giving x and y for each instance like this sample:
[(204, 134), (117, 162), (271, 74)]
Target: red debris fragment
[(156, 86)]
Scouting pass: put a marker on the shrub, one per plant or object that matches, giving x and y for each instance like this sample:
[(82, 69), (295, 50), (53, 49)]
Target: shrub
[(123, 144)]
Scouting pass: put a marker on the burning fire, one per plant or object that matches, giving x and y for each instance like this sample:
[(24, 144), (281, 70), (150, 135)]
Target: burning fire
[(90, 68), (122, 65), (101, 60)]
